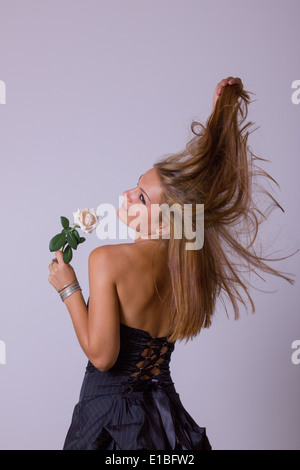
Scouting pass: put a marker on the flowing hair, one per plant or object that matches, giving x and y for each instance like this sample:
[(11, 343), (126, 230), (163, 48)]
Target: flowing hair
[(217, 169)]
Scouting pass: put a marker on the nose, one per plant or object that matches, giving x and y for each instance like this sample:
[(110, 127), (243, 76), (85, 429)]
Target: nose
[(125, 199), (127, 195)]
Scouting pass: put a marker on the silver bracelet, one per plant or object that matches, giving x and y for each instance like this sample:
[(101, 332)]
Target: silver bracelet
[(69, 291), (65, 295), (67, 285)]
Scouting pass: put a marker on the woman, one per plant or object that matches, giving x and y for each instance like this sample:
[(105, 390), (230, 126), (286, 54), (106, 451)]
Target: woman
[(146, 295)]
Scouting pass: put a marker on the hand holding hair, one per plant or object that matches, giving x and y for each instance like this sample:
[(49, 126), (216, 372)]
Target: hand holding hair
[(222, 84)]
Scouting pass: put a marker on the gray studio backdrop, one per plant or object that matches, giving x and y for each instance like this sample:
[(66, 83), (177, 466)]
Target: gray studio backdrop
[(92, 94)]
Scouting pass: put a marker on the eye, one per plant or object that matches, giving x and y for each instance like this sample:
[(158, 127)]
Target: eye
[(141, 196), (143, 201)]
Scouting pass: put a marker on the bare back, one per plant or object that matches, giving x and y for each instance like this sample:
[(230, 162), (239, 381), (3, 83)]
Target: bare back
[(140, 305)]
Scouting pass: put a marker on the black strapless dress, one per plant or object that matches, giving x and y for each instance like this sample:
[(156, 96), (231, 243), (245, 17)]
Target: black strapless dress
[(134, 405)]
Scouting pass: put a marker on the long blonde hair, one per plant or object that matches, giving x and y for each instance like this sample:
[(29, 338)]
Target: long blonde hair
[(217, 169)]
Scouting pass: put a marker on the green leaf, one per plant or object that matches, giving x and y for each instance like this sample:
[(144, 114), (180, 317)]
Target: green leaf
[(65, 222), (82, 239), (57, 242), (67, 254), (76, 235), (71, 239)]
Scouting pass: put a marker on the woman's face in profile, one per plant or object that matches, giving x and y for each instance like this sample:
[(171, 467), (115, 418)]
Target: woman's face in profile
[(136, 207)]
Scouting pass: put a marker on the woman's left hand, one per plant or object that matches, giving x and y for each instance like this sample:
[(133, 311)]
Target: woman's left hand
[(222, 84), (61, 273)]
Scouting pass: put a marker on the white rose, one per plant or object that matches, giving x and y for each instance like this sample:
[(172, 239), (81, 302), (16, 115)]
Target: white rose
[(86, 219)]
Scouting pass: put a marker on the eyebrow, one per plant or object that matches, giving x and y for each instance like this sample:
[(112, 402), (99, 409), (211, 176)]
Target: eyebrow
[(142, 188)]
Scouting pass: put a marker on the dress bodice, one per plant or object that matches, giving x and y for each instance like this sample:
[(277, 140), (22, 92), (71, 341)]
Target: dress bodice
[(134, 404), (142, 357)]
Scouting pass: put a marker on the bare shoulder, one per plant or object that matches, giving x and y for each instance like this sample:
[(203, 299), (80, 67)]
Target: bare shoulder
[(112, 251), (112, 258), (119, 259)]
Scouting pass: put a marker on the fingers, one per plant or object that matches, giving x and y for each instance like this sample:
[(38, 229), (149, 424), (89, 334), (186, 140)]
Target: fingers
[(56, 262), (53, 264), (230, 81), (52, 267), (59, 256), (227, 81)]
